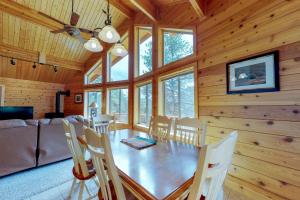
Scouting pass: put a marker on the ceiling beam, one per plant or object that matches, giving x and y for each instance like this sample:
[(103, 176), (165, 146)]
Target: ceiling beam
[(33, 56), (127, 12), (31, 15), (199, 7), (146, 7)]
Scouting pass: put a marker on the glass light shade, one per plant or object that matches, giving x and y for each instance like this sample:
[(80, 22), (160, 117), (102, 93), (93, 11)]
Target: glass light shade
[(93, 105), (93, 45), (109, 34), (119, 50)]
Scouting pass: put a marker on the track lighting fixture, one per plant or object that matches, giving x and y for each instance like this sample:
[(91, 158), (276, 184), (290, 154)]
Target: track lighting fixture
[(34, 66), (55, 68), (13, 61)]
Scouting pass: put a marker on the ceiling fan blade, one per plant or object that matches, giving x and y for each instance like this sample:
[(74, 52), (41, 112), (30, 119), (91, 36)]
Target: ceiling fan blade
[(58, 31), (52, 18), (74, 19), (85, 30)]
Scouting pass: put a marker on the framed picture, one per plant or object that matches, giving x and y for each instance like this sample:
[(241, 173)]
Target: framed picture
[(255, 74), (78, 98)]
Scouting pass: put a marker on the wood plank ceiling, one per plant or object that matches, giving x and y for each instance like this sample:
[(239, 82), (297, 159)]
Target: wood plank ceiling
[(18, 32), (21, 33)]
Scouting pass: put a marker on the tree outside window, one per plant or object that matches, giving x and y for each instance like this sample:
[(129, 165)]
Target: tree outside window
[(118, 104), (178, 96), (145, 104)]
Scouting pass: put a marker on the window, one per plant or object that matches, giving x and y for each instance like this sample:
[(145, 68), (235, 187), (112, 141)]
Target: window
[(94, 75), (118, 104), (178, 96), (144, 47), (144, 104), (117, 67), (90, 97), (177, 45)]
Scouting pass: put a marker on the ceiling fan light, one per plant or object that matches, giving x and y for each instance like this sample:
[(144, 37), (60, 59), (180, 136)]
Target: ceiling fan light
[(109, 34), (119, 50), (93, 45)]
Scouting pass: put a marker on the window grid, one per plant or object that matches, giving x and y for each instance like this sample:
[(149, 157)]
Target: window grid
[(148, 105), (178, 100)]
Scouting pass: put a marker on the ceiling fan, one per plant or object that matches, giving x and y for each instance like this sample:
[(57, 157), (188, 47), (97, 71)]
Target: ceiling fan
[(71, 28)]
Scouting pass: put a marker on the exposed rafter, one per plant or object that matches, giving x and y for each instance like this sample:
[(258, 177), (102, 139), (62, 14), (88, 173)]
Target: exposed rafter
[(122, 8), (32, 15), (15, 52), (199, 7), (146, 7)]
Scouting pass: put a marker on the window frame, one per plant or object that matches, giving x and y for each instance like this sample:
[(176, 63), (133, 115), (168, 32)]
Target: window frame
[(108, 104), (86, 101), (108, 70), (161, 52), (99, 62), (137, 50), (137, 102), (188, 69)]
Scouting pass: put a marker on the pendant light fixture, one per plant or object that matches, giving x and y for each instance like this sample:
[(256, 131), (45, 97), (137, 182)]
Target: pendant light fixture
[(93, 45), (119, 50), (108, 33)]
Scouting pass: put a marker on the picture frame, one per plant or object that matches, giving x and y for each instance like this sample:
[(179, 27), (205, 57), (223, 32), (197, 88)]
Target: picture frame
[(254, 74), (78, 98)]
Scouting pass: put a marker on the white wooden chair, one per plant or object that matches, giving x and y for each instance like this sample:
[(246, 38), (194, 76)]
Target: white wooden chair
[(100, 150), (103, 123), (190, 131), (83, 170), (214, 162), (160, 127)]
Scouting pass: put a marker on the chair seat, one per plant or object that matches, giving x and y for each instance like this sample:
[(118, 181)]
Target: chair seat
[(128, 194), (79, 175)]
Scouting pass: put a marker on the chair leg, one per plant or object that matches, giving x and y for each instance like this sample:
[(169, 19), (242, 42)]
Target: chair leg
[(81, 190), (72, 188), (87, 189)]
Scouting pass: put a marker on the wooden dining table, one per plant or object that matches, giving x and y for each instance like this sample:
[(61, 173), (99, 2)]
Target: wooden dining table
[(163, 171)]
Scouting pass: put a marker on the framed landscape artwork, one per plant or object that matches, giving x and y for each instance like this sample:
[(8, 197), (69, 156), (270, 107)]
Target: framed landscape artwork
[(78, 98), (255, 74)]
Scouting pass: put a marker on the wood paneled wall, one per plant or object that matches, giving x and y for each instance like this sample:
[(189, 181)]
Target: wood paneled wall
[(266, 163), (75, 86), (40, 95)]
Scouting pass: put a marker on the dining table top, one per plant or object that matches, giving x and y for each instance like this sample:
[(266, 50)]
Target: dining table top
[(162, 171)]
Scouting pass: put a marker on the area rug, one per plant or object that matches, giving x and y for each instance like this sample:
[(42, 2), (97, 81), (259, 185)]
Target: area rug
[(25, 184)]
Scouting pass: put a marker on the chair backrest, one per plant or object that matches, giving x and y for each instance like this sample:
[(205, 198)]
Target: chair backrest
[(76, 151), (103, 123), (213, 164), (190, 131), (160, 127), (100, 150)]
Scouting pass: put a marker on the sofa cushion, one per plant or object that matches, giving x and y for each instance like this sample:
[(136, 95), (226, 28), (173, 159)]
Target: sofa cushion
[(12, 123), (72, 118), (32, 122), (44, 121), (56, 121)]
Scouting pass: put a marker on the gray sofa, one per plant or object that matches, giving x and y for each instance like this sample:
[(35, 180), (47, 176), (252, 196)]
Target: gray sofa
[(26, 144), (52, 143), (18, 144)]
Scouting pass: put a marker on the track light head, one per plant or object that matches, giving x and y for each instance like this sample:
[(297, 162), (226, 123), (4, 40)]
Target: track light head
[(13, 61), (55, 68)]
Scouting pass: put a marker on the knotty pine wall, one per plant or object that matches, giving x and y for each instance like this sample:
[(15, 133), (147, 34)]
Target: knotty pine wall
[(266, 163), (40, 95), (75, 86)]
